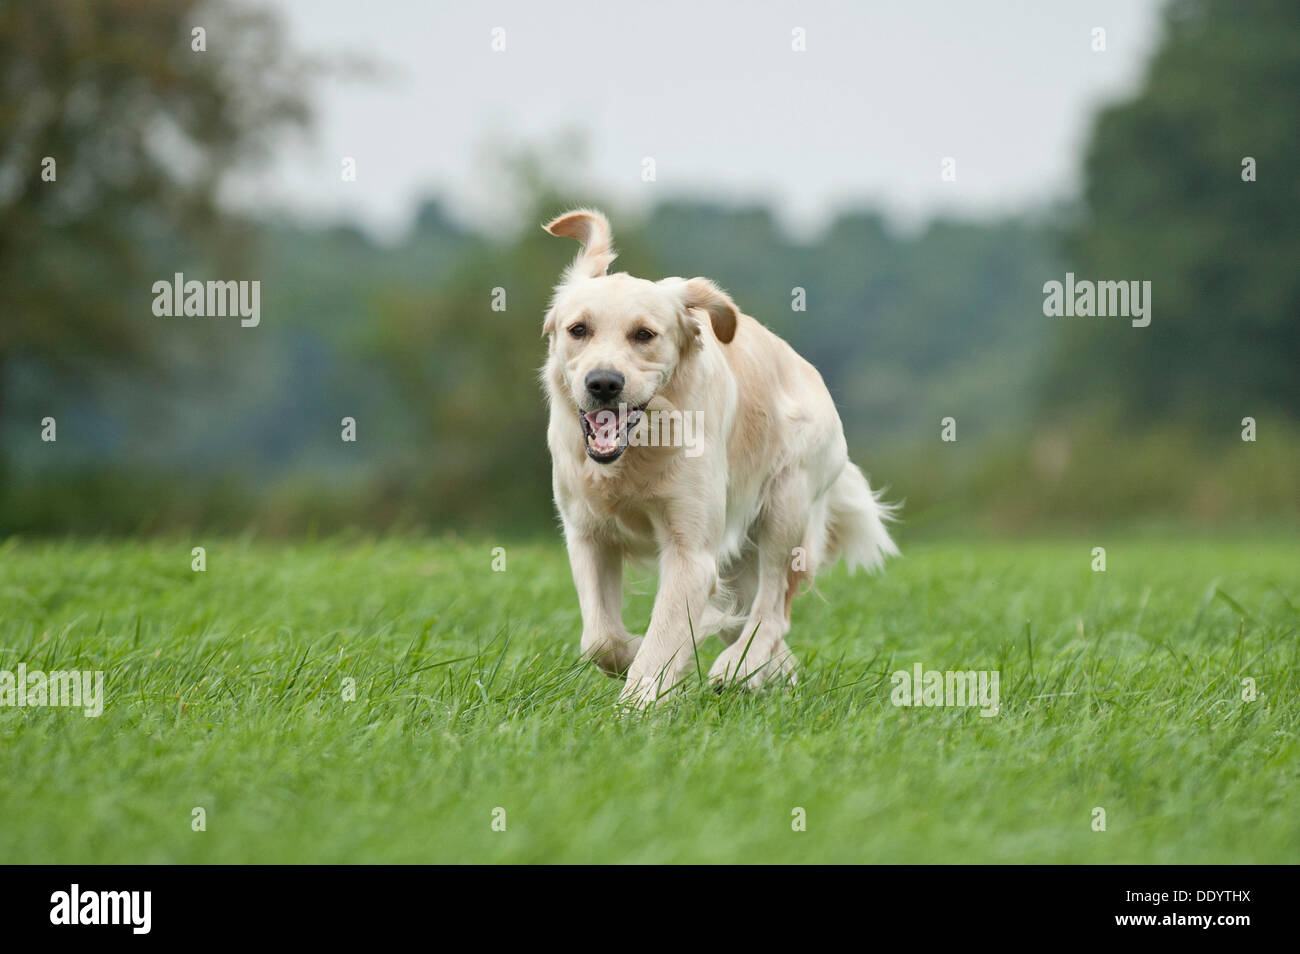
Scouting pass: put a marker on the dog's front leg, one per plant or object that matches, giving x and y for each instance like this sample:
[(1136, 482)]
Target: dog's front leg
[(598, 577), (687, 579)]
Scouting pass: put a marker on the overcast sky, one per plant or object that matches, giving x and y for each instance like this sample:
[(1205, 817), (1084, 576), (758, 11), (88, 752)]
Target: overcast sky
[(714, 93)]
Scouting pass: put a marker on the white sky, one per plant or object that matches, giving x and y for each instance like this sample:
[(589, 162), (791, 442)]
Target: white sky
[(713, 92)]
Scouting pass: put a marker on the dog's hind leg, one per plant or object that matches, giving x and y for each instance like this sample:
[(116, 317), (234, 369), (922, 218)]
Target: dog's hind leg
[(740, 584), (759, 654)]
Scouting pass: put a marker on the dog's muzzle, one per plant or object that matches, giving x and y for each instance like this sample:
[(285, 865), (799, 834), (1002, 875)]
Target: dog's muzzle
[(605, 431)]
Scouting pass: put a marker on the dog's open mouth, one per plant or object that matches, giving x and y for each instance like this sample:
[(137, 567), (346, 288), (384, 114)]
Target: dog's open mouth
[(605, 431)]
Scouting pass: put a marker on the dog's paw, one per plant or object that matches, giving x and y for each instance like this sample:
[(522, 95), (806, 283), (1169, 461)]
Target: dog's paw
[(613, 655), (744, 666), (644, 691)]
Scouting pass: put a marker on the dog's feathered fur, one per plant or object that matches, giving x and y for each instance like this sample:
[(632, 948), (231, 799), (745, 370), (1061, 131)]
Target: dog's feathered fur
[(768, 499)]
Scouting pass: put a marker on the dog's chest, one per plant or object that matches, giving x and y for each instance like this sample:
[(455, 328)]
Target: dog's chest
[(609, 513)]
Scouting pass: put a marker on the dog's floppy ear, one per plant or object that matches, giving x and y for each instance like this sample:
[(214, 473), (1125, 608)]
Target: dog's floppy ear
[(723, 313), (591, 229)]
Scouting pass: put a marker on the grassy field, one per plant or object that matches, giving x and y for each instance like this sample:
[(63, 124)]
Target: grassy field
[(1120, 690)]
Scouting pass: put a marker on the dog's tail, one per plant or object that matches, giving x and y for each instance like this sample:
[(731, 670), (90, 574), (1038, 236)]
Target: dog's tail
[(591, 229), (855, 523)]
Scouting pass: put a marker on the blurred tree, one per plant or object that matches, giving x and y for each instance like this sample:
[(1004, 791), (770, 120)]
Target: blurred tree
[(115, 135), (1166, 202)]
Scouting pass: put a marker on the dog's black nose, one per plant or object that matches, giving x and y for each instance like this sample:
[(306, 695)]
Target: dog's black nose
[(604, 385)]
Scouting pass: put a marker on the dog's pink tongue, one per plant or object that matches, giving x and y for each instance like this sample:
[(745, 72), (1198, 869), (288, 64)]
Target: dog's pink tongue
[(604, 430)]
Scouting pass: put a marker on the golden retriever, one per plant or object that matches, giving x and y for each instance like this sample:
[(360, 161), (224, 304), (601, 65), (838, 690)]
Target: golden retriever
[(685, 431)]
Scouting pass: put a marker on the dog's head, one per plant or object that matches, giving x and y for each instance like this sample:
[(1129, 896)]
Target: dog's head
[(617, 341)]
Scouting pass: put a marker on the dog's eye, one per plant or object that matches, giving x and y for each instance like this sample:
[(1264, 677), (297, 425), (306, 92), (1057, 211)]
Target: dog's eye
[(578, 331), (645, 334)]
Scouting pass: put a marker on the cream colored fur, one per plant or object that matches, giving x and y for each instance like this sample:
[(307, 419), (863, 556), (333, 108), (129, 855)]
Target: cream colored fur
[(768, 498)]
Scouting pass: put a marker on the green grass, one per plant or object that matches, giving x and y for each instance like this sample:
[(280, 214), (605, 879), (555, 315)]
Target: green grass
[(224, 691)]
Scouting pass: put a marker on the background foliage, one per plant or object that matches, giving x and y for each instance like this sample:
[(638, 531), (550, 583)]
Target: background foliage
[(168, 424)]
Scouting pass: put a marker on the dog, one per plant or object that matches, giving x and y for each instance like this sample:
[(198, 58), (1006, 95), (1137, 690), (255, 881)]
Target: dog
[(759, 499)]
